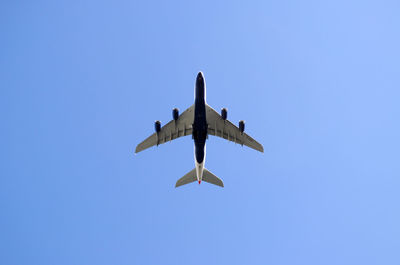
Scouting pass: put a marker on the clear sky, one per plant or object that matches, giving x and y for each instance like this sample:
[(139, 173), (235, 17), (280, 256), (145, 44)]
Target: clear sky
[(82, 82)]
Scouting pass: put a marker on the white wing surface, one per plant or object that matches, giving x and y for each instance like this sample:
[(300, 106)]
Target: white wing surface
[(227, 130), (172, 130)]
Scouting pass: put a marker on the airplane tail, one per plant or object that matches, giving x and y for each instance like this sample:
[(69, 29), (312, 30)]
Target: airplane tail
[(211, 178), (207, 177), (188, 178)]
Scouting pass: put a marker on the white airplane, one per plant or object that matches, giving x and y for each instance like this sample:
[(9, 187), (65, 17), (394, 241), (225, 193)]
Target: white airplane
[(199, 120)]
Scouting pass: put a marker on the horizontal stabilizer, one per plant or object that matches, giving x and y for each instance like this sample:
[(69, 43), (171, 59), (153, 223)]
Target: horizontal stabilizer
[(188, 178), (211, 178)]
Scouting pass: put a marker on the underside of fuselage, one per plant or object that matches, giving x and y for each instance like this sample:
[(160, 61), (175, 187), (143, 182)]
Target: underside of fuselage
[(200, 124)]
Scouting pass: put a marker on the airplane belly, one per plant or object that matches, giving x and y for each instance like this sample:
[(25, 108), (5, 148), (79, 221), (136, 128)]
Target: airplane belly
[(199, 171), (200, 166)]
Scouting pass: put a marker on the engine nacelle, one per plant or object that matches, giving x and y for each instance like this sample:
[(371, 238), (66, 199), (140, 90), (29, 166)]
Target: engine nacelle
[(157, 126), (241, 126), (224, 113), (175, 113)]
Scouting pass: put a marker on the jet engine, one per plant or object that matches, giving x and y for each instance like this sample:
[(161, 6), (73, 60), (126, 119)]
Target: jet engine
[(175, 113), (241, 126), (224, 113), (157, 126)]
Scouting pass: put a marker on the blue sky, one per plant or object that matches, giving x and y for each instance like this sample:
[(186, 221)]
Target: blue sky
[(81, 83)]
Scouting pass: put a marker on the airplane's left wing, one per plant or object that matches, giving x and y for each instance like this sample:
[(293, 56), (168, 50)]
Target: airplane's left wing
[(172, 130), (227, 130)]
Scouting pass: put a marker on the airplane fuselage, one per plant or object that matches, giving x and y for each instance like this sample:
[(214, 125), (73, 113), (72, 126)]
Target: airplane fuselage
[(200, 125)]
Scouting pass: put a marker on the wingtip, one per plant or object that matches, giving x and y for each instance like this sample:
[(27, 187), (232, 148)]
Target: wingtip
[(137, 149), (261, 149)]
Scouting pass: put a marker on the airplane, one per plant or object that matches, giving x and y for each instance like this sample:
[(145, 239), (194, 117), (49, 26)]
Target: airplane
[(199, 120)]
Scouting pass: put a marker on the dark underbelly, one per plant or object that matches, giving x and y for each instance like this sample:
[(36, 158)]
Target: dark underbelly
[(199, 130)]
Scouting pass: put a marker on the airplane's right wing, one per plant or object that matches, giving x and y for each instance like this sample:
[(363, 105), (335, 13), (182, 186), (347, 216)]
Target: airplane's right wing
[(172, 130), (227, 130)]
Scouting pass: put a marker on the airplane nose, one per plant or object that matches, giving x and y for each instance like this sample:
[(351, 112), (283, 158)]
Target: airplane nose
[(200, 75)]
